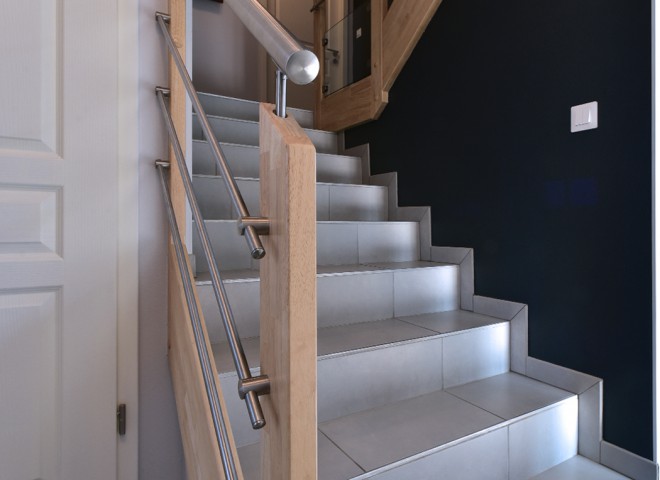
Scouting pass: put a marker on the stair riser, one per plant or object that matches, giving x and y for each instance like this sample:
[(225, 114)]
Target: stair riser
[(247, 110), (514, 452), (337, 244), (244, 162), (333, 202), (346, 299), (375, 377), (243, 132), (362, 380)]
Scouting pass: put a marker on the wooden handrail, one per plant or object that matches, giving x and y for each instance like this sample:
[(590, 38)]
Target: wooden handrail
[(288, 298)]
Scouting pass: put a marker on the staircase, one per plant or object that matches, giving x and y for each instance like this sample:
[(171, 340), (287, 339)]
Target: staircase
[(418, 378)]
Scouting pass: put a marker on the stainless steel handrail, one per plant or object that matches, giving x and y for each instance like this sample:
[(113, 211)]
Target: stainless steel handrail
[(246, 225), (299, 64), (219, 423), (249, 387)]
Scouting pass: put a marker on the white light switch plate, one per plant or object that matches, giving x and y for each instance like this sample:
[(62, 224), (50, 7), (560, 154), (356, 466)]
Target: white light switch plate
[(584, 117)]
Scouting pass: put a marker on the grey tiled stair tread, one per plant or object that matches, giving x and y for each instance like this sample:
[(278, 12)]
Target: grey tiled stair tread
[(244, 158), (355, 337), (256, 122), (244, 109), (204, 278), (253, 179), (579, 468), (405, 430)]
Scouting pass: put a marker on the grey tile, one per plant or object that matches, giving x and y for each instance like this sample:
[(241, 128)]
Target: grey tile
[(228, 246), (212, 198), (348, 269), (496, 308), (510, 395), (388, 242), (322, 202), (465, 258), (453, 255), (245, 303), (627, 463), (358, 203), (590, 404), (343, 299), (334, 464), (344, 338), (519, 339), (561, 377), (543, 440), (338, 168), (337, 243), (425, 226), (390, 433), (370, 378), (412, 265), (451, 321), (223, 358), (579, 468), (481, 458), (476, 354), (250, 458), (426, 290)]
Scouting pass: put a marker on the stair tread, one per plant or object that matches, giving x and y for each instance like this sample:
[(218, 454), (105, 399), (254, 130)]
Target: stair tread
[(242, 108), (579, 468), (255, 179), (245, 158), (228, 276), (388, 435), (344, 339)]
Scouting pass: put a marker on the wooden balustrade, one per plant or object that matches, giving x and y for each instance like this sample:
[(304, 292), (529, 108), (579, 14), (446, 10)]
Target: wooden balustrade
[(288, 298)]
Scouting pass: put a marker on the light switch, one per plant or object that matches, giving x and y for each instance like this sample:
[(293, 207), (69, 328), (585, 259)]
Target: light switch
[(584, 117)]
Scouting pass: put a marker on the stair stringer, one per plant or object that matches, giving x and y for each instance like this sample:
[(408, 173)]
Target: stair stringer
[(589, 389)]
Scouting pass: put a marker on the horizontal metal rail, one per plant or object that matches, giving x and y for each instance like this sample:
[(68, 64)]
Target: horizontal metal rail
[(249, 387), (219, 422), (300, 65), (251, 235)]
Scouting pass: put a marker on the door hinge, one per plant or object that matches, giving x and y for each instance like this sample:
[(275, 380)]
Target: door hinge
[(121, 419)]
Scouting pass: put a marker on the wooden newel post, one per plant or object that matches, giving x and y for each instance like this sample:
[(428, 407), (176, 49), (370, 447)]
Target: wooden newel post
[(288, 299)]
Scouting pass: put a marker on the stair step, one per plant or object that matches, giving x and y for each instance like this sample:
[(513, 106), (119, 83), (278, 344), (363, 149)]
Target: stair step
[(338, 243), (222, 106), (354, 338), (246, 132), (333, 201), (243, 161), (441, 435), (579, 468), (368, 292)]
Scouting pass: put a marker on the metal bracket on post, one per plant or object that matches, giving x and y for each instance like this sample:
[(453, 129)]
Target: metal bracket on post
[(280, 94), (259, 385), (261, 225)]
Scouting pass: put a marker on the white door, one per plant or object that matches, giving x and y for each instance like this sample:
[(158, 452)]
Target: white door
[(58, 239)]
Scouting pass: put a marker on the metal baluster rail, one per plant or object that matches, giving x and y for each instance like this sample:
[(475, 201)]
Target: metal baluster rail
[(249, 226), (249, 387), (219, 422)]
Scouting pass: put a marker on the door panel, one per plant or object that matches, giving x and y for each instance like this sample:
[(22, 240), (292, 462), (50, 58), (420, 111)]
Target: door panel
[(58, 239)]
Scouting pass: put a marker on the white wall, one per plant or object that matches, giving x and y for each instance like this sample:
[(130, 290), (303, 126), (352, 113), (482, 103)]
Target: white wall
[(160, 450)]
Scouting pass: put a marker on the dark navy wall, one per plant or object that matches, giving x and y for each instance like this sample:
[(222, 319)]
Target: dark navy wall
[(478, 128)]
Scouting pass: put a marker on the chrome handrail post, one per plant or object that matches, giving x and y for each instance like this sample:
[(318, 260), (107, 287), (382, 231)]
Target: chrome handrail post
[(254, 242), (280, 93), (238, 354), (219, 424)]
